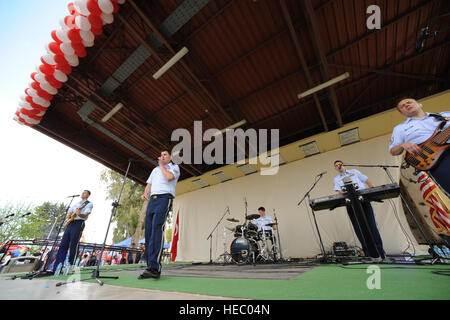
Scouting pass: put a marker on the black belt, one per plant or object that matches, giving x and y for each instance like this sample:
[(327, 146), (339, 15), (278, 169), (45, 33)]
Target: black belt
[(164, 195)]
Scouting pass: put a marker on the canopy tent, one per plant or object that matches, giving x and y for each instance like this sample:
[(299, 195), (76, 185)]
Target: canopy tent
[(127, 243)]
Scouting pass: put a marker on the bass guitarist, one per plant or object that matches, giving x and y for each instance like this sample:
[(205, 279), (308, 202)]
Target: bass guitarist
[(75, 218), (411, 135)]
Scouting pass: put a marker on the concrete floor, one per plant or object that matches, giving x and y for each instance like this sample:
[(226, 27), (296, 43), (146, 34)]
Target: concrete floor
[(38, 289)]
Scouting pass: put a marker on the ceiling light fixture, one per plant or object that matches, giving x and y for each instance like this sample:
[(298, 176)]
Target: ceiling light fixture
[(324, 85), (112, 112), (180, 54)]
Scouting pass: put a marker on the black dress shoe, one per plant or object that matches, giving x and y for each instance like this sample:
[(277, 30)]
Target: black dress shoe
[(150, 274)]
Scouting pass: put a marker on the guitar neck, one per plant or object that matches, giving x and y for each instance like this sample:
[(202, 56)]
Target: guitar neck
[(441, 137)]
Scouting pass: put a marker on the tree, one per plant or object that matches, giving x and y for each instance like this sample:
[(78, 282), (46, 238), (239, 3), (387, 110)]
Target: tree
[(13, 218)]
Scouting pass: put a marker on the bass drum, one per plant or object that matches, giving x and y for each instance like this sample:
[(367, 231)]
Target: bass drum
[(244, 250)]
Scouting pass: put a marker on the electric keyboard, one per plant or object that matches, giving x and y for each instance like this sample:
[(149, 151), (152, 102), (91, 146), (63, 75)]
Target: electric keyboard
[(378, 193)]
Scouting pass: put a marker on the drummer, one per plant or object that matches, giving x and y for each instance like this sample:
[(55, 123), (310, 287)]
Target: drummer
[(262, 223)]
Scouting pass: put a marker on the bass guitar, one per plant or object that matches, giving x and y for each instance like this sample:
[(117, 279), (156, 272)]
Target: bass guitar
[(431, 150), (77, 212)]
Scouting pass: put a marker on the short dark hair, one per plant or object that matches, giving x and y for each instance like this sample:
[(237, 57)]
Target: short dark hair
[(398, 100), (166, 151), (338, 161), (262, 209), (88, 192)]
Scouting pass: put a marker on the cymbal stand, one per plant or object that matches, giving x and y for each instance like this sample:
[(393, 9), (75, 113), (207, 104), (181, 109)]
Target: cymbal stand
[(225, 256), (277, 245)]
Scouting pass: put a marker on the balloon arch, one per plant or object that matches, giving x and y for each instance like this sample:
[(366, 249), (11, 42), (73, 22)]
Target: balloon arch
[(78, 31)]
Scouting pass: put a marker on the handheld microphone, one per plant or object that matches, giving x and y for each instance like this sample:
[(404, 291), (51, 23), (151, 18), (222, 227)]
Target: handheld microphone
[(75, 195)]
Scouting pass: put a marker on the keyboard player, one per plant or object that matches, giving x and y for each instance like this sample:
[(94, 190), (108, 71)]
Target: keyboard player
[(361, 180)]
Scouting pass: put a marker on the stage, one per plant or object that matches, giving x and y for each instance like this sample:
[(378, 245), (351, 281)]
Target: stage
[(282, 281)]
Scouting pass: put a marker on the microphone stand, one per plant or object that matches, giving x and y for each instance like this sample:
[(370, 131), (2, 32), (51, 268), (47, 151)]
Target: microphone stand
[(210, 235), (307, 195), (402, 197), (96, 272)]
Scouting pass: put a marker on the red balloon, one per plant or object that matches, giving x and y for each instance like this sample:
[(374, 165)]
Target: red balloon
[(30, 114), (33, 75), (60, 59), (53, 82), (34, 105), (46, 69), (93, 7), (44, 94), (74, 35), (79, 49), (55, 37), (71, 8), (54, 47), (115, 5), (96, 31), (95, 21), (64, 68)]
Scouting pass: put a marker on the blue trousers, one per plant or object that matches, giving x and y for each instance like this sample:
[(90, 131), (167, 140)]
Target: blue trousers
[(370, 216), (69, 242), (155, 223)]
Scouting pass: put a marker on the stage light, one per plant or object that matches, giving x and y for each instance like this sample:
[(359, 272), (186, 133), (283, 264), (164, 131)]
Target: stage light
[(233, 126), (112, 112), (180, 54), (324, 85)]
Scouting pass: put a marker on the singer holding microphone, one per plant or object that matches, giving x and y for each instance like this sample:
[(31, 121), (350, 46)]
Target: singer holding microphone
[(160, 190), (361, 180)]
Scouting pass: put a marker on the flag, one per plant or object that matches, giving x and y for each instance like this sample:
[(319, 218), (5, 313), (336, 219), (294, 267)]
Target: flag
[(438, 211), (174, 245)]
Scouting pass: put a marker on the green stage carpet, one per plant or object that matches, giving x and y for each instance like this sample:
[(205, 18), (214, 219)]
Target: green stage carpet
[(335, 282)]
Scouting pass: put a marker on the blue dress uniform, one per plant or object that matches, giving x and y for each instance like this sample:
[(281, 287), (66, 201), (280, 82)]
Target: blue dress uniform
[(417, 131), (72, 235), (162, 194), (360, 179)]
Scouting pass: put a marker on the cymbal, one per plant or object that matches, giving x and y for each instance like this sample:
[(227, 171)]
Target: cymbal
[(252, 216), (271, 224), (232, 220)]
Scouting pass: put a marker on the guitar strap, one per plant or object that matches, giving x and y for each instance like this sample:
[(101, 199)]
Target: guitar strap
[(438, 116)]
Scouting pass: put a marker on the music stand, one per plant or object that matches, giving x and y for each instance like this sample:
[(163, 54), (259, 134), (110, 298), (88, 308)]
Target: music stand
[(307, 195), (96, 272)]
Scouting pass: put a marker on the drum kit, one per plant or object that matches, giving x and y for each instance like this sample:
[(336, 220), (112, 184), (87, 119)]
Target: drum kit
[(249, 244)]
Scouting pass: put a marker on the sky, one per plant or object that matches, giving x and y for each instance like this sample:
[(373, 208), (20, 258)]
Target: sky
[(33, 167)]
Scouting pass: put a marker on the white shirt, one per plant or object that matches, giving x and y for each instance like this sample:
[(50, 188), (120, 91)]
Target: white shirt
[(416, 130), (262, 221), (160, 185), (86, 209), (356, 176)]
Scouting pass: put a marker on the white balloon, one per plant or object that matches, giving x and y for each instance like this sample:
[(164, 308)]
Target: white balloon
[(62, 35), (49, 58), (25, 105), (83, 23), (87, 36), (60, 76), (107, 18), (80, 6), (42, 102), (66, 48), (106, 6), (28, 119), (88, 44), (72, 60), (48, 88), (40, 77)]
